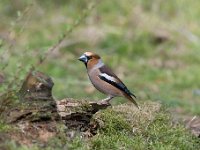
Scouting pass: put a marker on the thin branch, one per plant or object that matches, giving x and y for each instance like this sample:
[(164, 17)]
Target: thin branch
[(76, 23), (21, 15)]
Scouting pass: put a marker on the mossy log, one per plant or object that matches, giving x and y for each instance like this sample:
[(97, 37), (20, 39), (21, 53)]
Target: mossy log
[(77, 114), (36, 103), (38, 114)]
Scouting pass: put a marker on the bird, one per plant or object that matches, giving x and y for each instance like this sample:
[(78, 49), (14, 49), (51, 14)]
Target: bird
[(104, 80)]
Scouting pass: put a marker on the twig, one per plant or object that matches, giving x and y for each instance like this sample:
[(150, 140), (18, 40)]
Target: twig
[(21, 15), (76, 23)]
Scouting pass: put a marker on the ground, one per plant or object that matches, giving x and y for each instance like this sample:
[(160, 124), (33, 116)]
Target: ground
[(152, 46)]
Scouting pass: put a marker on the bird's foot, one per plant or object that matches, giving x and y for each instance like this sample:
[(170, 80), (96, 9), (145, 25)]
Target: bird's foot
[(104, 102)]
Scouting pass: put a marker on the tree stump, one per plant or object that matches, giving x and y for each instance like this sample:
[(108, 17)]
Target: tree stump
[(35, 100), (37, 114), (37, 86)]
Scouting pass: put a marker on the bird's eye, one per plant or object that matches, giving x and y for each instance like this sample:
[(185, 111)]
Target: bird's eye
[(89, 57)]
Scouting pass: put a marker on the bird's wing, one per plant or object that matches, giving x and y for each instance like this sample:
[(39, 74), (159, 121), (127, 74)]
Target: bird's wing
[(108, 76)]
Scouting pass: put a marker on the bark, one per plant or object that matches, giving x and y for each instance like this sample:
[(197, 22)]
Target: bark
[(35, 100), (36, 104)]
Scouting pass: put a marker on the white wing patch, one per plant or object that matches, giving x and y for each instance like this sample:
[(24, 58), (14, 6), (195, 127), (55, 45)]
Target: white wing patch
[(108, 77)]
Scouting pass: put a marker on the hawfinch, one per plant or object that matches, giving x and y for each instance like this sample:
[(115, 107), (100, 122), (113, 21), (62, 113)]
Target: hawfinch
[(104, 79)]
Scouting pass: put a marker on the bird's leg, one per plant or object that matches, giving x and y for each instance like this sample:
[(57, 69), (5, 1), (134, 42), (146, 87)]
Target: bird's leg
[(106, 100)]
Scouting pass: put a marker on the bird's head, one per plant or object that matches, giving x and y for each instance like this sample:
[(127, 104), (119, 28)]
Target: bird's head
[(90, 59)]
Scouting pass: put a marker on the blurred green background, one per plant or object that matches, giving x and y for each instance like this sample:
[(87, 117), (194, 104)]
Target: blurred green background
[(153, 46)]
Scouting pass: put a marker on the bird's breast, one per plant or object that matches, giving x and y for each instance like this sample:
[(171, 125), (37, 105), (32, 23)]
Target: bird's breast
[(103, 86)]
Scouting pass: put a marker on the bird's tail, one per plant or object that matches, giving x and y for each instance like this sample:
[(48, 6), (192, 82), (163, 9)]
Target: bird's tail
[(132, 100), (133, 95)]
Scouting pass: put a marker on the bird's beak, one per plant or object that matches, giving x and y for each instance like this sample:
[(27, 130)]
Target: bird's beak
[(83, 58)]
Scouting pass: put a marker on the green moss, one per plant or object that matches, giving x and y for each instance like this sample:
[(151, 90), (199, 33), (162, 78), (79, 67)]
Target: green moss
[(156, 133), (113, 123), (4, 127), (161, 133)]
